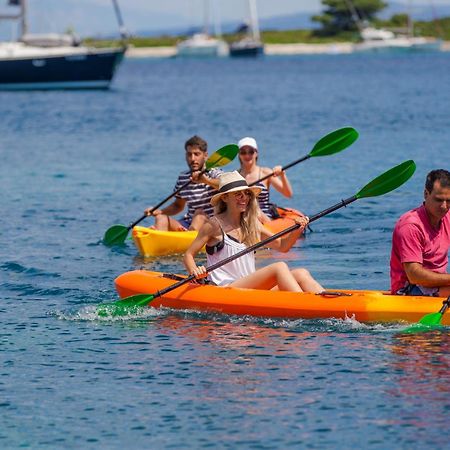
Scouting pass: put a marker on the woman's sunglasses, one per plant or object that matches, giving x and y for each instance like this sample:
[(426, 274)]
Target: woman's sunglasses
[(238, 194), (247, 152)]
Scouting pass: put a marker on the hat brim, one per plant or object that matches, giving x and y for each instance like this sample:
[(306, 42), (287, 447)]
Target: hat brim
[(215, 198)]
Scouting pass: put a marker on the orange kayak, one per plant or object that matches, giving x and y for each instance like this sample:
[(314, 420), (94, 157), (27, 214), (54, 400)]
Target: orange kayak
[(151, 242), (364, 306)]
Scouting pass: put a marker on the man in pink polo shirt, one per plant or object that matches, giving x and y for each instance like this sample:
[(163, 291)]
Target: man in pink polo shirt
[(421, 242)]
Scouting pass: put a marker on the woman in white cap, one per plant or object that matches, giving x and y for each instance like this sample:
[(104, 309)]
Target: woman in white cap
[(234, 227), (248, 157)]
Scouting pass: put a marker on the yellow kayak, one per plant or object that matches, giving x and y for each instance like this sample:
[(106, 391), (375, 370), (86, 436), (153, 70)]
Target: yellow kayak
[(152, 242), (364, 306)]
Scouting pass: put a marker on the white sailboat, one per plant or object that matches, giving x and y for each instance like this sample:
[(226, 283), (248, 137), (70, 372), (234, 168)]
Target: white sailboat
[(249, 45), (202, 44), (380, 40), (53, 61)]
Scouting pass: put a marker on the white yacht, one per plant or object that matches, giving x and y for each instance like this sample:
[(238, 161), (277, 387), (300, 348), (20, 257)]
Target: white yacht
[(379, 40), (202, 45), (53, 61)]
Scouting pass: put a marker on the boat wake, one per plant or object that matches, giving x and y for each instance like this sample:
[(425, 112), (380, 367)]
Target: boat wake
[(348, 324), (91, 314)]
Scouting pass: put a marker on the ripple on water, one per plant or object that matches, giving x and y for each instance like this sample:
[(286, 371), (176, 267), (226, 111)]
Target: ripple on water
[(346, 325)]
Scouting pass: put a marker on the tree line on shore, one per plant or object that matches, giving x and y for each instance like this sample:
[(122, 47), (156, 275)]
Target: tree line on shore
[(339, 22)]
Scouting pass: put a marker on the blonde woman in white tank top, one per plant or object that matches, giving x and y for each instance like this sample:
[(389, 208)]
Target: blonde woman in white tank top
[(234, 227)]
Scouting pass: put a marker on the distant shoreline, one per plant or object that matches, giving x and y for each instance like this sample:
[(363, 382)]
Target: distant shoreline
[(270, 49)]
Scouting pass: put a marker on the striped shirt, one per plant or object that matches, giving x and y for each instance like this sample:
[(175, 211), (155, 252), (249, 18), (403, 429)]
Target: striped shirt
[(197, 195), (264, 199)]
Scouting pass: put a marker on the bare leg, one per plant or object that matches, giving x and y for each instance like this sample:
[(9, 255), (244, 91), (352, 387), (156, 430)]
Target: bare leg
[(166, 223), (277, 274), (162, 222), (306, 282)]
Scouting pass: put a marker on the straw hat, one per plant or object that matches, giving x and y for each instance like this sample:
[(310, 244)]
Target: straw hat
[(232, 182)]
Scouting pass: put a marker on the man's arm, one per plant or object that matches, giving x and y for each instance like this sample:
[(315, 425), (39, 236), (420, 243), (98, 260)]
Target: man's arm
[(175, 207), (417, 274), (198, 177)]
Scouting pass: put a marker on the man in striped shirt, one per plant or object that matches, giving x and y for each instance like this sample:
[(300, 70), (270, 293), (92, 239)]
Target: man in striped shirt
[(196, 195)]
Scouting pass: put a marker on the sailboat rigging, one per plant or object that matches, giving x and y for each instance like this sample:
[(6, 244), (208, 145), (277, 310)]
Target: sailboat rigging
[(250, 44), (202, 44)]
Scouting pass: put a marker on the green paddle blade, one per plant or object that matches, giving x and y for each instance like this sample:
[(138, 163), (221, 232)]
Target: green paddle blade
[(427, 323), (388, 181), (431, 319), (115, 235), (334, 142), (125, 307), (223, 156)]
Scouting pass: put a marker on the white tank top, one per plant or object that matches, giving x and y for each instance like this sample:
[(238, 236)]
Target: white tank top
[(234, 270)]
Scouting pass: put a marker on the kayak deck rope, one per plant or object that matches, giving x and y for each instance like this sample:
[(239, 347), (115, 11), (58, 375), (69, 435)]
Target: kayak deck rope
[(334, 294), (172, 276)]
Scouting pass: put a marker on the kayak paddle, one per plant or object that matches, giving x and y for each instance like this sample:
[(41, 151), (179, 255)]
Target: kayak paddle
[(381, 185), (117, 234), (436, 318), (429, 320), (330, 144)]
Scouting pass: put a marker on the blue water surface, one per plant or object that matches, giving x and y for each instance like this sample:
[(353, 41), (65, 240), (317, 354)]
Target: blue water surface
[(74, 163)]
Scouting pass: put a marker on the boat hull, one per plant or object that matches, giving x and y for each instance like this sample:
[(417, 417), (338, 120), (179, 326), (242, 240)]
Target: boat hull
[(364, 306), (202, 46), (93, 69), (151, 242), (398, 45), (246, 50)]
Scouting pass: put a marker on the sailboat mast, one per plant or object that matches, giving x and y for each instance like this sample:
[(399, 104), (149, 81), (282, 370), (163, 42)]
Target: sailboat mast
[(217, 21), (206, 16), (254, 20), (23, 17), (354, 14), (410, 20), (122, 29)]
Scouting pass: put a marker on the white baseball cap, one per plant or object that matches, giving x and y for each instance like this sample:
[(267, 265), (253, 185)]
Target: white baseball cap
[(247, 141)]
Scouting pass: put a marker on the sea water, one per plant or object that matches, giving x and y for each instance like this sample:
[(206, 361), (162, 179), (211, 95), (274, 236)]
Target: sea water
[(74, 163)]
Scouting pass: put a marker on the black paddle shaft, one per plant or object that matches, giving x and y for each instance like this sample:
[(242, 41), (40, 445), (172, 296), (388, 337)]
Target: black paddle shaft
[(445, 305), (281, 233), (256, 246), (304, 158), (162, 202)]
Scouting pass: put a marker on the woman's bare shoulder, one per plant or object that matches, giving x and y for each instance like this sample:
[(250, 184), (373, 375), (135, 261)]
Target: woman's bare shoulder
[(212, 227), (266, 170)]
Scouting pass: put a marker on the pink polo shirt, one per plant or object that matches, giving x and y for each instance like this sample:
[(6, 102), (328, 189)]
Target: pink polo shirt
[(415, 240)]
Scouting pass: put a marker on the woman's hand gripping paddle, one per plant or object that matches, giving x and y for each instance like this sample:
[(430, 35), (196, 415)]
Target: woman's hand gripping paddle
[(117, 234), (386, 182), (332, 143)]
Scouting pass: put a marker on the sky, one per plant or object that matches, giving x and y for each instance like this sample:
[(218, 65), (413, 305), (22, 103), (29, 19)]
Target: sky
[(96, 17), (92, 17)]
